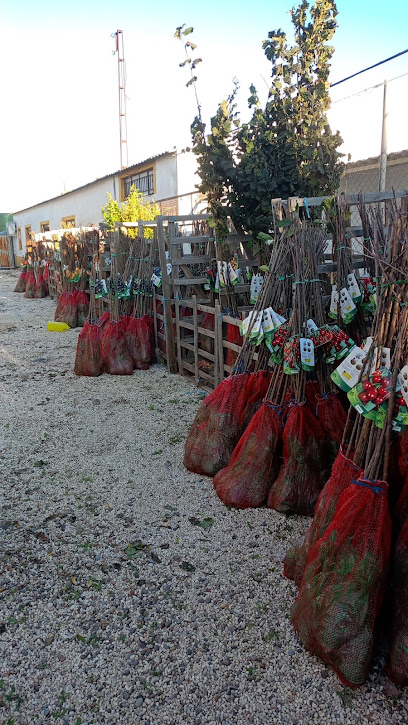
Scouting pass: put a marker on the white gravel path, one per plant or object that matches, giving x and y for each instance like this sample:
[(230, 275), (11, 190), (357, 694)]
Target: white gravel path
[(115, 608)]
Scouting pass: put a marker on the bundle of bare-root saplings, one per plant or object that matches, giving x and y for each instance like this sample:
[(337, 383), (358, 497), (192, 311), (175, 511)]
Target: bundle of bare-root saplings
[(71, 257), (33, 277), (352, 564), (121, 338), (282, 454)]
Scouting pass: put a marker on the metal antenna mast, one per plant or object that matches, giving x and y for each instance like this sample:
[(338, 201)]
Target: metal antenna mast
[(122, 98)]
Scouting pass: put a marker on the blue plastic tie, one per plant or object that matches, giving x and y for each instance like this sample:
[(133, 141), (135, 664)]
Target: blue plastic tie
[(376, 489)]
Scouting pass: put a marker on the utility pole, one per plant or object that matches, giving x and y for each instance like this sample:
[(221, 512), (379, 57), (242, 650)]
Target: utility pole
[(122, 98), (383, 155)]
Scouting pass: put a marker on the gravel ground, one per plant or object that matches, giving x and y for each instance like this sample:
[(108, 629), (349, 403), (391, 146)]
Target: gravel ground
[(129, 593)]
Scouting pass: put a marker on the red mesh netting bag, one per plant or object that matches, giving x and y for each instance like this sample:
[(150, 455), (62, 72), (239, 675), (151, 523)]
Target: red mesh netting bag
[(254, 463), (116, 357), (40, 287), (104, 319), (60, 305), (233, 336), (256, 389), (22, 281), (67, 309), (82, 300), (344, 581), (30, 286), (343, 472), (301, 475), (88, 359), (217, 427), (138, 336), (47, 271), (332, 418), (398, 666), (124, 322)]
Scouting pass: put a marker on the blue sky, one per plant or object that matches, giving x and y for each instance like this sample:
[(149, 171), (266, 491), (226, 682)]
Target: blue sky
[(58, 67)]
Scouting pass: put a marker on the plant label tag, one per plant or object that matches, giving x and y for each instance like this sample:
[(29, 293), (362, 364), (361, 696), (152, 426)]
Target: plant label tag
[(381, 359), (169, 268), (256, 284), (334, 300), (256, 328), (311, 326), (232, 274), (156, 280), (221, 278), (267, 321), (245, 324), (403, 382), (347, 374), (353, 287), (346, 303), (307, 355)]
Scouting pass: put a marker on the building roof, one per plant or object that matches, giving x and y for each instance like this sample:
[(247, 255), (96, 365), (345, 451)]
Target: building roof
[(134, 167), (396, 156)]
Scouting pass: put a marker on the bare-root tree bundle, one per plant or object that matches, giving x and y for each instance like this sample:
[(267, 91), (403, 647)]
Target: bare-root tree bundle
[(342, 564)]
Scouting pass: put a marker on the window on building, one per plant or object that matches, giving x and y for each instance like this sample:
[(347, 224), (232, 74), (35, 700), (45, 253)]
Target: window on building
[(44, 226), (67, 222), (20, 242), (144, 181), (28, 233)]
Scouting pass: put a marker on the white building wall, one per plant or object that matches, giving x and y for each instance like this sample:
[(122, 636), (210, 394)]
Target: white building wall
[(175, 174), (166, 178), (85, 204)]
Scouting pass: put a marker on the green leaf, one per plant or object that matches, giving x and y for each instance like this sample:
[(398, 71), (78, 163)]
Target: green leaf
[(188, 31), (264, 268), (202, 523), (186, 566), (177, 34), (191, 81)]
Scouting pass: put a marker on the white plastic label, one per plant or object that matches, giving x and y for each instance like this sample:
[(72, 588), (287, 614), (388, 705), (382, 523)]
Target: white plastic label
[(256, 284), (403, 381), (311, 326), (334, 300), (246, 323), (307, 355), (346, 303), (350, 368), (156, 280), (232, 274), (267, 321), (381, 359), (220, 274), (352, 286)]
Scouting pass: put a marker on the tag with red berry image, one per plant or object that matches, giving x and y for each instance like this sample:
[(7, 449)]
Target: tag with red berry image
[(368, 395)]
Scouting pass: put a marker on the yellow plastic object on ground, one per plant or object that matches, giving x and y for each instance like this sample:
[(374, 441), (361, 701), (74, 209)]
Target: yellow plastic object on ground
[(57, 326)]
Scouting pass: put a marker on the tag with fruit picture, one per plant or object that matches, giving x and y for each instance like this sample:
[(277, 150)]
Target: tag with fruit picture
[(366, 397), (291, 356)]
